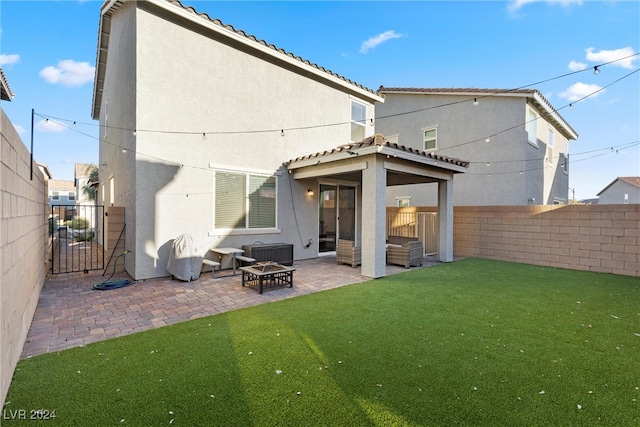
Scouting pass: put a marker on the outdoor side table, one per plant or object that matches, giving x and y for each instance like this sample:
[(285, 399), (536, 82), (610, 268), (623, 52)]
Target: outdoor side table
[(267, 275)]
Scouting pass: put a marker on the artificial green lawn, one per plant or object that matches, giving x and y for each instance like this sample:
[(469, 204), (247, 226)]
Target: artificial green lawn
[(474, 342)]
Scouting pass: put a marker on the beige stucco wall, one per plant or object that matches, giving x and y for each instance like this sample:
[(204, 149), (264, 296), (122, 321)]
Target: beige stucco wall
[(23, 247), (192, 83)]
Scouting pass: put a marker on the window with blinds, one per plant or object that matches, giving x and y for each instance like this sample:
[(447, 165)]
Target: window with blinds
[(244, 200)]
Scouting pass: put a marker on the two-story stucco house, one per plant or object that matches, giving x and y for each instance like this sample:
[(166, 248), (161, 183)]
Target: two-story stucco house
[(211, 132), (516, 142)]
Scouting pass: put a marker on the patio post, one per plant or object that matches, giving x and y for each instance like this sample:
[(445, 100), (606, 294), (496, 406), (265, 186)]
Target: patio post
[(445, 220), (374, 211)]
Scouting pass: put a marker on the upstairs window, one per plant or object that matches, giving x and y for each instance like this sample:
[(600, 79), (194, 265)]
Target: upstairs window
[(55, 196), (550, 146), (358, 121), (72, 195), (244, 200), (430, 137), (532, 127)]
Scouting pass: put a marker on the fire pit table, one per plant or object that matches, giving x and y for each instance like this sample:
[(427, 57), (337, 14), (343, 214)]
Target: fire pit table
[(267, 274)]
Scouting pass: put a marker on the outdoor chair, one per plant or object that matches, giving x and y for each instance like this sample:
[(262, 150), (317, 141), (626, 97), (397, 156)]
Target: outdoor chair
[(408, 254), (348, 253)]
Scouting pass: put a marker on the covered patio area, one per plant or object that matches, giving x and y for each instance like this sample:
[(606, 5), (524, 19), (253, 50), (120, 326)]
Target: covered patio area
[(374, 164)]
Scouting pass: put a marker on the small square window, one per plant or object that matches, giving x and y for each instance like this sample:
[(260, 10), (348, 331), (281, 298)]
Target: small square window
[(430, 139)]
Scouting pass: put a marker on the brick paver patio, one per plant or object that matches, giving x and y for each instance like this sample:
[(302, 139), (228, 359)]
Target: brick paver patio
[(70, 313)]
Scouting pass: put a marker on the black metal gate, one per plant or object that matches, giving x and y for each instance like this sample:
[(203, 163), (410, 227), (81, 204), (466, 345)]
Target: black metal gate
[(77, 235)]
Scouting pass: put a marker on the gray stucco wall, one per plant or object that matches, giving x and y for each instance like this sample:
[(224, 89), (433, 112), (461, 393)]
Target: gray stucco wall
[(507, 170), (191, 84), (618, 191)]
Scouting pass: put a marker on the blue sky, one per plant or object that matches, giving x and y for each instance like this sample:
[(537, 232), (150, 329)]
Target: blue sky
[(48, 51)]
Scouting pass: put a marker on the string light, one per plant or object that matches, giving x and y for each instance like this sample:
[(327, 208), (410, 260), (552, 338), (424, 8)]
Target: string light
[(475, 102), (204, 135), (596, 70)]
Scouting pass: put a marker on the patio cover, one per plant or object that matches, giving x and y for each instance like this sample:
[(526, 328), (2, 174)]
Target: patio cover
[(377, 163)]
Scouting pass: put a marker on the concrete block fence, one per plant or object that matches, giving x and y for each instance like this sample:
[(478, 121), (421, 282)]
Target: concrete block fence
[(600, 238), (23, 246)]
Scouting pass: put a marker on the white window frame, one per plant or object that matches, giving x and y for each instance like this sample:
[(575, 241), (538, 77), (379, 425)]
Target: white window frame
[(400, 200), (358, 123), (550, 147), (532, 126), (424, 138), (55, 195), (247, 227), (72, 195)]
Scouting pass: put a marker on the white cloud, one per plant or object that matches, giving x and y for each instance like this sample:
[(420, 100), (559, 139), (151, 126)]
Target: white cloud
[(21, 131), (9, 59), (613, 55), (516, 5), (375, 41), (49, 126), (69, 73), (579, 90), (577, 66)]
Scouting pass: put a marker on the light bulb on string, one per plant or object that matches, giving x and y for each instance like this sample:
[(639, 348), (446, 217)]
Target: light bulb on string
[(204, 135), (596, 70), (487, 140), (134, 132), (475, 102)]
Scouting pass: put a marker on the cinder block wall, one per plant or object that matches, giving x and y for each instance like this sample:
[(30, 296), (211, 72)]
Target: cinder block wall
[(23, 247), (601, 238)]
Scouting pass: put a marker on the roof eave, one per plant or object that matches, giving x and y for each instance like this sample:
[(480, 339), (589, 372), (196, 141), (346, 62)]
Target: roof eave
[(197, 19)]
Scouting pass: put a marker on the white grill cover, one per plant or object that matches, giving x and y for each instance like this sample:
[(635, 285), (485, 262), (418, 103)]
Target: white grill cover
[(184, 261)]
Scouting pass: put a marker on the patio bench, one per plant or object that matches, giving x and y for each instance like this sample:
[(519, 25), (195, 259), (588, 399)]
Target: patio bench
[(212, 264), (244, 259)]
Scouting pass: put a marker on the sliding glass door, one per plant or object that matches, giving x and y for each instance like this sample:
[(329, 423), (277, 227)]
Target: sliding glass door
[(337, 215)]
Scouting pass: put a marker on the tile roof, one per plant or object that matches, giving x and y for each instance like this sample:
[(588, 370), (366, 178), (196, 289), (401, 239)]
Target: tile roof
[(380, 141), (533, 94), (633, 180), (82, 169), (103, 41), (5, 89), (264, 43), (61, 184)]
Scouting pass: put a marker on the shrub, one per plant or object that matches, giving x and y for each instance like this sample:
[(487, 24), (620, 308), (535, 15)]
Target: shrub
[(78, 223)]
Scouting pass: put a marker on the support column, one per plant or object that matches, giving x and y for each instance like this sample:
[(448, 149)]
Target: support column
[(374, 216), (445, 221)]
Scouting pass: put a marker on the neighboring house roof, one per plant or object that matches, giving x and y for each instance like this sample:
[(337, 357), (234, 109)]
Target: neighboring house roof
[(82, 169), (379, 142), (45, 170), (61, 185), (539, 101), (633, 180), (232, 34), (5, 90)]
